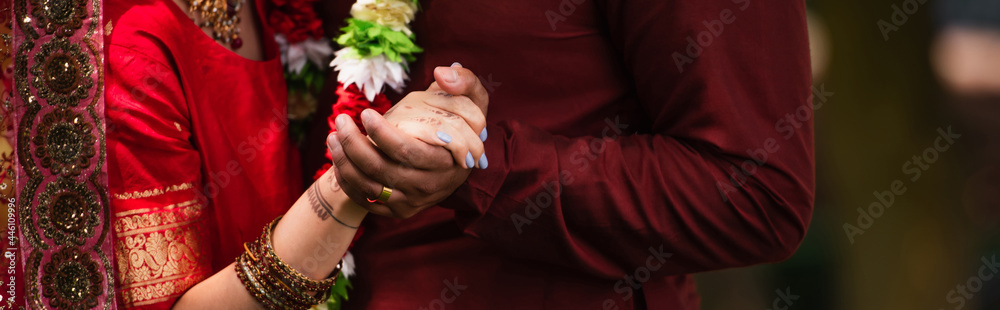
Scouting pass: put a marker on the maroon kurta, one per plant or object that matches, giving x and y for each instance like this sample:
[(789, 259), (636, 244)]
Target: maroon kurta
[(621, 132)]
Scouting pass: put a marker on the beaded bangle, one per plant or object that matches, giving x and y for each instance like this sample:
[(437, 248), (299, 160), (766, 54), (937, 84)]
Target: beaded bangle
[(271, 275), (275, 284), (248, 277), (297, 279)]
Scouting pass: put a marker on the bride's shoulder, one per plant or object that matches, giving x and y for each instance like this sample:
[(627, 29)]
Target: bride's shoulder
[(144, 24)]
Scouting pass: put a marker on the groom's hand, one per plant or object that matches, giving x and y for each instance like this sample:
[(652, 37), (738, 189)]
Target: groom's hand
[(421, 174)]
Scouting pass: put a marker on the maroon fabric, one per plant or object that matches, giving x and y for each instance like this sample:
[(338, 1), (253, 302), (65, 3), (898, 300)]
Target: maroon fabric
[(561, 74)]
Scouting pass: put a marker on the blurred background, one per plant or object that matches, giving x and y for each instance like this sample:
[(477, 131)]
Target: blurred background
[(898, 71)]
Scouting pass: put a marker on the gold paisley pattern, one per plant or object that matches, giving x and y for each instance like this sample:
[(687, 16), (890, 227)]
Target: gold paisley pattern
[(157, 252)]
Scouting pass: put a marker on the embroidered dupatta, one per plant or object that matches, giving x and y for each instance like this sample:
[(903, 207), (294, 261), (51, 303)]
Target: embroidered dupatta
[(63, 210)]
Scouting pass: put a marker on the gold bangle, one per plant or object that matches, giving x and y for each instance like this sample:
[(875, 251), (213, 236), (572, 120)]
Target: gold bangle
[(254, 287), (280, 274), (275, 284), (296, 277)]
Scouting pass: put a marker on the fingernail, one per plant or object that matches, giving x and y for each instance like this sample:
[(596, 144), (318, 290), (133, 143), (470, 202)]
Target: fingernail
[(456, 65), (483, 135), (336, 145), (340, 120), (469, 162), (366, 115), (454, 76), (483, 163), (444, 137)]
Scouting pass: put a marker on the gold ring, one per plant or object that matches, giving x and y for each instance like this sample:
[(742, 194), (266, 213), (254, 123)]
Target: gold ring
[(382, 197)]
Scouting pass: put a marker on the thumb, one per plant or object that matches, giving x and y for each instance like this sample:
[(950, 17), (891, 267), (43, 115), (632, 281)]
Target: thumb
[(459, 81)]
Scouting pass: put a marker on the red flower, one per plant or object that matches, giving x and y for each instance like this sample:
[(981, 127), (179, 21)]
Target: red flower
[(280, 22), (301, 6), (296, 19)]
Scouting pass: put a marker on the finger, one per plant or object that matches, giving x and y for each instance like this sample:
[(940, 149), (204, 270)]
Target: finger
[(460, 106), (403, 148), (395, 207), (370, 161), (459, 146), (426, 130), (358, 198), (459, 81), (470, 142), (357, 186), (360, 150)]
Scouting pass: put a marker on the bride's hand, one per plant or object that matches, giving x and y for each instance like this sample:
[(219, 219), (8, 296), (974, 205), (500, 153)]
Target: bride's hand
[(438, 118), (408, 159)]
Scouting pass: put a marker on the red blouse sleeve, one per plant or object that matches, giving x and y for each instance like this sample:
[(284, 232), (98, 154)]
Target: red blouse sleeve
[(678, 188), (154, 174)]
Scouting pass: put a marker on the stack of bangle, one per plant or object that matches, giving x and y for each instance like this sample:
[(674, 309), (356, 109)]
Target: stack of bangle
[(275, 284)]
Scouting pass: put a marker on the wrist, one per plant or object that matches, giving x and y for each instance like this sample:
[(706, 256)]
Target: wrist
[(342, 208)]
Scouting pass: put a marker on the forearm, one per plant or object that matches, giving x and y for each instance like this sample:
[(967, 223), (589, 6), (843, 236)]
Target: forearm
[(307, 238), (605, 203)]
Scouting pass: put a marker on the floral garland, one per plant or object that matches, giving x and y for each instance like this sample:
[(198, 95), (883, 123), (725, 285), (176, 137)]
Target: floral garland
[(304, 53), (376, 48)]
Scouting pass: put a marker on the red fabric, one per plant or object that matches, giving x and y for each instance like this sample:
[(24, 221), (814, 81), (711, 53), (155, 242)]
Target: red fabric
[(182, 109), (554, 89)]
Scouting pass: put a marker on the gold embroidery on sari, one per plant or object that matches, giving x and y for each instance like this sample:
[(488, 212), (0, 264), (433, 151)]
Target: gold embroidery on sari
[(154, 192), (158, 252)]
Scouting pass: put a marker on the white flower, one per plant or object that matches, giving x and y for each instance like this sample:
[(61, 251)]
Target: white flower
[(282, 47), (371, 73), (347, 265), (395, 14), (295, 55)]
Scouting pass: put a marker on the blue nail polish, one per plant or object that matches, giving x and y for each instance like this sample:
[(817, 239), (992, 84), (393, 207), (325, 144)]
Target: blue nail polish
[(469, 162), (483, 163), (444, 137), (483, 135)]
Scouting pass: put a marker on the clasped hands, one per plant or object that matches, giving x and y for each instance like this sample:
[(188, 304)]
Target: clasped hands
[(423, 148)]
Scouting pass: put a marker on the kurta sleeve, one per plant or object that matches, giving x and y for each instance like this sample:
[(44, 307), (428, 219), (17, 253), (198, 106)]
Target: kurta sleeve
[(154, 177), (721, 177)]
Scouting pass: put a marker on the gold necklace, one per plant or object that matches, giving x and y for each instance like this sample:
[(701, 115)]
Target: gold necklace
[(222, 17)]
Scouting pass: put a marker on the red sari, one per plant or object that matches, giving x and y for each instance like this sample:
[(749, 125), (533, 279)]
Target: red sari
[(199, 155)]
